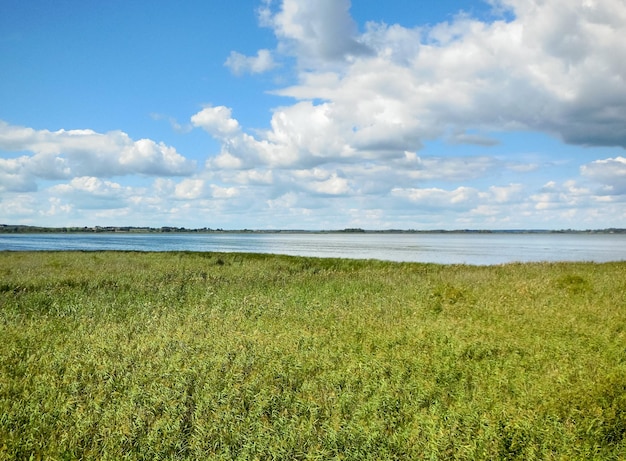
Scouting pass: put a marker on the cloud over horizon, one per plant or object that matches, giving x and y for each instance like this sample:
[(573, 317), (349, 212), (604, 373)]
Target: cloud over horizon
[(408, 125), (65, 154), (557, 67)]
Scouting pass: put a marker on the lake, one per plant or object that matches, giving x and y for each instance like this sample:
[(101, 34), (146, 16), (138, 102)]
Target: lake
[(444, 248)]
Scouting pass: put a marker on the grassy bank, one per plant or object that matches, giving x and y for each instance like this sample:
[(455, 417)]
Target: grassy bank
[(113, 355)]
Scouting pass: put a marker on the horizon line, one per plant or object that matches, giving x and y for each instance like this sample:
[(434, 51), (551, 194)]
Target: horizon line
[(173, 229)]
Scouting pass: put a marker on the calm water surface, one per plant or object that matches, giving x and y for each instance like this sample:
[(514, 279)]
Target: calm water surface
[(478, 249)]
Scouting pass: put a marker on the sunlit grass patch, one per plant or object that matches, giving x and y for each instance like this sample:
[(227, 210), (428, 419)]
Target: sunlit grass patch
[(112, 355)]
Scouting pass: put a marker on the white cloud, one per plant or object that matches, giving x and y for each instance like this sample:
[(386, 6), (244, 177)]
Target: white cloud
[(611, 172), (225, 160), (240, 64), (506, 194), (494, 201), (87, 192), (13, 177), (315, 31), (64, 154), (219, 192), (193, 189), (461, 197), (321, 181), (366, 103), (348, 147), (217, 121), (285, 201), (20, 207), (259, 176), (189, 189), (557, 66), (331, 186), (148, 157), (450, 168), (568, 195), (299, 136)]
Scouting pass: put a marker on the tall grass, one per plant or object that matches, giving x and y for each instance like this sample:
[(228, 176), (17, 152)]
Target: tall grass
[(122, 355)]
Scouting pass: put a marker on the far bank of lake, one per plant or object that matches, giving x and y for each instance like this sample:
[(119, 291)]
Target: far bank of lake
[(443, 248)]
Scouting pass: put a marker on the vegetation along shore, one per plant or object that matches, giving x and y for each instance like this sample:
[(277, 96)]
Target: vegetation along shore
[(22, 229), (129, 355)]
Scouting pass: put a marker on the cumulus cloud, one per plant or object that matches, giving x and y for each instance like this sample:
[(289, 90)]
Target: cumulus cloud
[(321, 181), (219, 192), (359, 112), (13, 177), (365, 103), (511, 193), (240, 64), (315, 31), (64, 154), (88, 192), (568, 195), (297, 137), (555, 66), (447, 168), (435, 198), (257, 176), (611, 172), (190, 189), (217, 121)]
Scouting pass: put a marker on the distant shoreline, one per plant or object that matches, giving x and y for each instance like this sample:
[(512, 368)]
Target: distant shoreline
[(25, 229)]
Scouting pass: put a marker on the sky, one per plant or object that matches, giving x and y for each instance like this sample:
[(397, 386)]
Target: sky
[(326, 114)]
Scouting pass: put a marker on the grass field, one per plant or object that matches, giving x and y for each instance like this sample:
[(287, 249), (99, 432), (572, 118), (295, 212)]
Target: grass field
[(122, 355)]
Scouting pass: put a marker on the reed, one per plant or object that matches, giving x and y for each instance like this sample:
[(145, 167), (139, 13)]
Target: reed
[(128, 355)]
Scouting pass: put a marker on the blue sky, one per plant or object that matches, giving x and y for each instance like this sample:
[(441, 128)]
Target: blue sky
[(293, 114)]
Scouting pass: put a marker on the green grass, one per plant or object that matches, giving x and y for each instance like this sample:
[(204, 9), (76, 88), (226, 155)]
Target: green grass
[(122, 355)]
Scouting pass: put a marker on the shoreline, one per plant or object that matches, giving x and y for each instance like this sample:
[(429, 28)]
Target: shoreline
[(28, 229)]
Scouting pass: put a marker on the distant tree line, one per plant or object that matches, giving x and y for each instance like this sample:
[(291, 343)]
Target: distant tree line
[(24, 229)]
